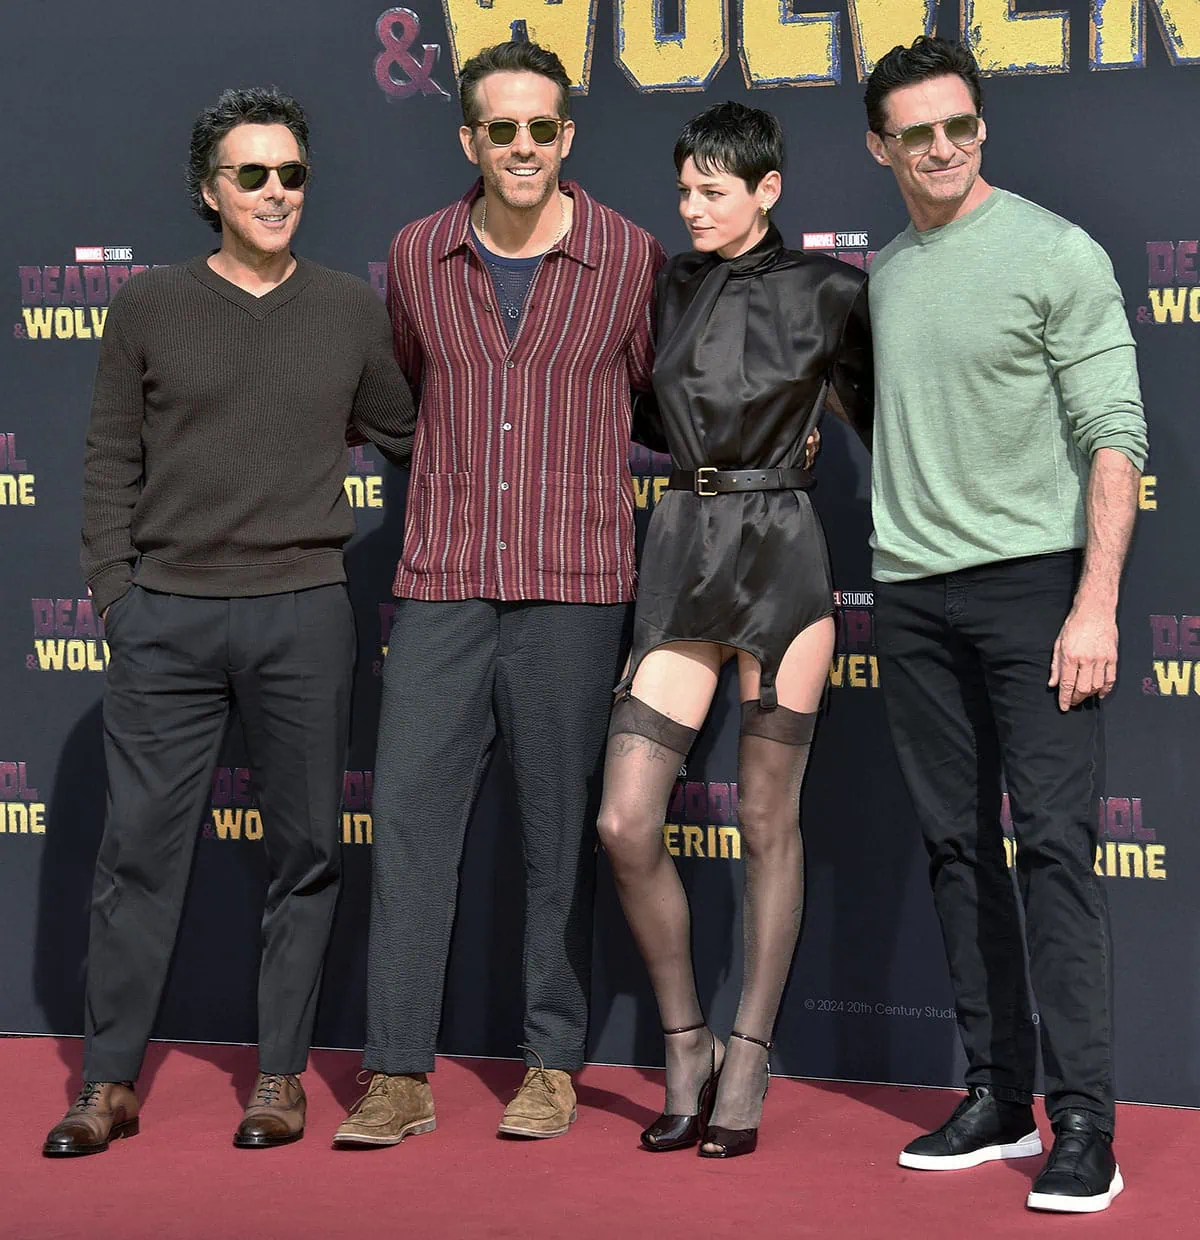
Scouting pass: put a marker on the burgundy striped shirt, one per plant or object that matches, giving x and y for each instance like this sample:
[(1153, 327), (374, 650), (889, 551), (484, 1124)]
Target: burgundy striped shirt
[(520, 473)]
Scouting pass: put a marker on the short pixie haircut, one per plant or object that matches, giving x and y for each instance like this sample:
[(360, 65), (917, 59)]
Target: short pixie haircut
[(734, 139)]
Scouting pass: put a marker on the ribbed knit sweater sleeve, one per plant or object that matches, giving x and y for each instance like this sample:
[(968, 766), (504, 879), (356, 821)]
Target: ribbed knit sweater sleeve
[(383, 405), (112, 469)]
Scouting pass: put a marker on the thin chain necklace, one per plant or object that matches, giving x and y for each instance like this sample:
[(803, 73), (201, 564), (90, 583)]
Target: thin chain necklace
[(562, 221)]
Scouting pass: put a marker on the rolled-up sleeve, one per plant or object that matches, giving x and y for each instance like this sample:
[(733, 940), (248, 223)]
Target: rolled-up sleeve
[(1091, 350)]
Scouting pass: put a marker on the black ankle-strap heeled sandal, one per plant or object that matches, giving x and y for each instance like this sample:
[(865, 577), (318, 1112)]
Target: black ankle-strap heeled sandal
[(680, 1132), (733, 1142)]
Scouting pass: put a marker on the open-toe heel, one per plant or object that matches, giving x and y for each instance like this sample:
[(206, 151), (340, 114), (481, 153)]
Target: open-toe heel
[(680, 1132), (732, 1142)]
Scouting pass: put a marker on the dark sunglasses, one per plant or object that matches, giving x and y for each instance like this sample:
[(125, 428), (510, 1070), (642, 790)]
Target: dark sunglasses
[(254, 176), (962, 130), (504, 133)]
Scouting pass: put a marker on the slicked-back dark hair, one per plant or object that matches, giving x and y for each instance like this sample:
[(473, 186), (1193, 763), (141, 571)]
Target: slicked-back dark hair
[(927, 57), (734, 139), (251, 105), (516, 56)]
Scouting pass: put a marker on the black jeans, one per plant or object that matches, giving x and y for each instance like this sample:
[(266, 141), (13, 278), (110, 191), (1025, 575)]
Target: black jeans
[(176, 665), (964, 660), (457, 673)]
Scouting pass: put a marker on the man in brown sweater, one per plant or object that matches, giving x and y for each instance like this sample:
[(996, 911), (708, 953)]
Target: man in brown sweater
[(213, 523)]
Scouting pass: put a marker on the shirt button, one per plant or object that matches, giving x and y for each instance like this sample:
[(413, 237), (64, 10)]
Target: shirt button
[(510, 365), (507, 426), (487, 305), (504, 546), (504, 486)]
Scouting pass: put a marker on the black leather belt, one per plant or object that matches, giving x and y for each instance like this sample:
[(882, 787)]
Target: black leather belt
[(708, 480)]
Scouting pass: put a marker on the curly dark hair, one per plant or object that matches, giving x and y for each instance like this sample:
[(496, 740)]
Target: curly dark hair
[(734, 139), (927, 57), (251, 105), (516, 56)]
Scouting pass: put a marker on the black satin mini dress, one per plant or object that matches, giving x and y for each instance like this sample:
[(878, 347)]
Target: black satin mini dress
[(746, 348)]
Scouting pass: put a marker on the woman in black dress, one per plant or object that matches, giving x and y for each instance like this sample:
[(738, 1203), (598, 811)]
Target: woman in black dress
[(751, 338)]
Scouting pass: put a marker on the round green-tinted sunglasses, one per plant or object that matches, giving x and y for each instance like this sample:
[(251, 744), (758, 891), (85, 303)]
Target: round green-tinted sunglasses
[(543, 131)]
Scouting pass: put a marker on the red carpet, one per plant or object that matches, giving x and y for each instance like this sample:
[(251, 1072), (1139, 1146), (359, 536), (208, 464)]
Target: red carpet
[(826, 1165)]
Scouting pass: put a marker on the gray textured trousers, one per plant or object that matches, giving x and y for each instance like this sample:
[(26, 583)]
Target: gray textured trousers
[(457, 675)]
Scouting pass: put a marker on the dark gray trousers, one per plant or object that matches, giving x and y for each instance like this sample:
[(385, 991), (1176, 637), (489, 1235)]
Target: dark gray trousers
[(176, 664), (457, 673)]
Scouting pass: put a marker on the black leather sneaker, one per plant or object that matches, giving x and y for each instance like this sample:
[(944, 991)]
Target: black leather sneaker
[(1081, 1175), (982, 1128)]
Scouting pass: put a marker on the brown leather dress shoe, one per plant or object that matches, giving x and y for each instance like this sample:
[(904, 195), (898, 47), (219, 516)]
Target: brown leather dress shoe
[(274, 1114), (104, 1111), (394, 1107), (544, 1106)]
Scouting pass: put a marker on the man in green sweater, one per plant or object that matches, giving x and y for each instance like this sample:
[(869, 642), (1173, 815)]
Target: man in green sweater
[(213, 522), (1009, 439)]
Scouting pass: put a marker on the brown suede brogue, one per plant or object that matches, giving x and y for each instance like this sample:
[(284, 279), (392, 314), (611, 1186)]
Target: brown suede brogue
[(104, 1111), (274, 1114), (544, 1106), (394, 1107)]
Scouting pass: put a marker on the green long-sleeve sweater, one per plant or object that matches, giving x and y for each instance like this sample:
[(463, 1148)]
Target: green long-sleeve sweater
[(1003, 361)]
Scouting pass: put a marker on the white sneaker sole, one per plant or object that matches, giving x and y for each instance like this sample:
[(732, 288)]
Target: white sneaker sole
[(1077, 1205), (1026, 1147)]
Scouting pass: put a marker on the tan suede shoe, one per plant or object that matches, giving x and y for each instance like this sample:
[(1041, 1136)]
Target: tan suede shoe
[(544, 1106), (274, 1114), (104, 1111), (394, 1107)]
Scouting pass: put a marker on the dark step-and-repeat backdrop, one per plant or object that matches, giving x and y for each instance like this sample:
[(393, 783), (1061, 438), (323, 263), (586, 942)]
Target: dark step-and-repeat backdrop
[(1091, 111)]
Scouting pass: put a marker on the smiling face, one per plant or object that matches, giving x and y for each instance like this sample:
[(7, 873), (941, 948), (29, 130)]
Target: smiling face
[(523, 174), (721, 212), (262, 221), (942, 183)]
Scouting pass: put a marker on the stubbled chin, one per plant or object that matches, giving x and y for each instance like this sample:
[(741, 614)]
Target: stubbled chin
[(945, 187), (533, 195)]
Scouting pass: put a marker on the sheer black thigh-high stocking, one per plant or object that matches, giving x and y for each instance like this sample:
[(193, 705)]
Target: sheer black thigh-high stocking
[(645, 752), (772, 757)]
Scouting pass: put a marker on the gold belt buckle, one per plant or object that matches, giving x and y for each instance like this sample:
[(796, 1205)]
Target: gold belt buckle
[(702, 479)]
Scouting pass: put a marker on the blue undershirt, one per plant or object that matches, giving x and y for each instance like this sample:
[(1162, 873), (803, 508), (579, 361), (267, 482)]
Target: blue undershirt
[(511, 278)]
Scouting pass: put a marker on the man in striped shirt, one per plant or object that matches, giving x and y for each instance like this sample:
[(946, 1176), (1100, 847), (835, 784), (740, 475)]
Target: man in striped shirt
[(522, 315)]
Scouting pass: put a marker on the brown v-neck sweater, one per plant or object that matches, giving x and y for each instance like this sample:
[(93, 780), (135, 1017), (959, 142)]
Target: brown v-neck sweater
[(216, 452)]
